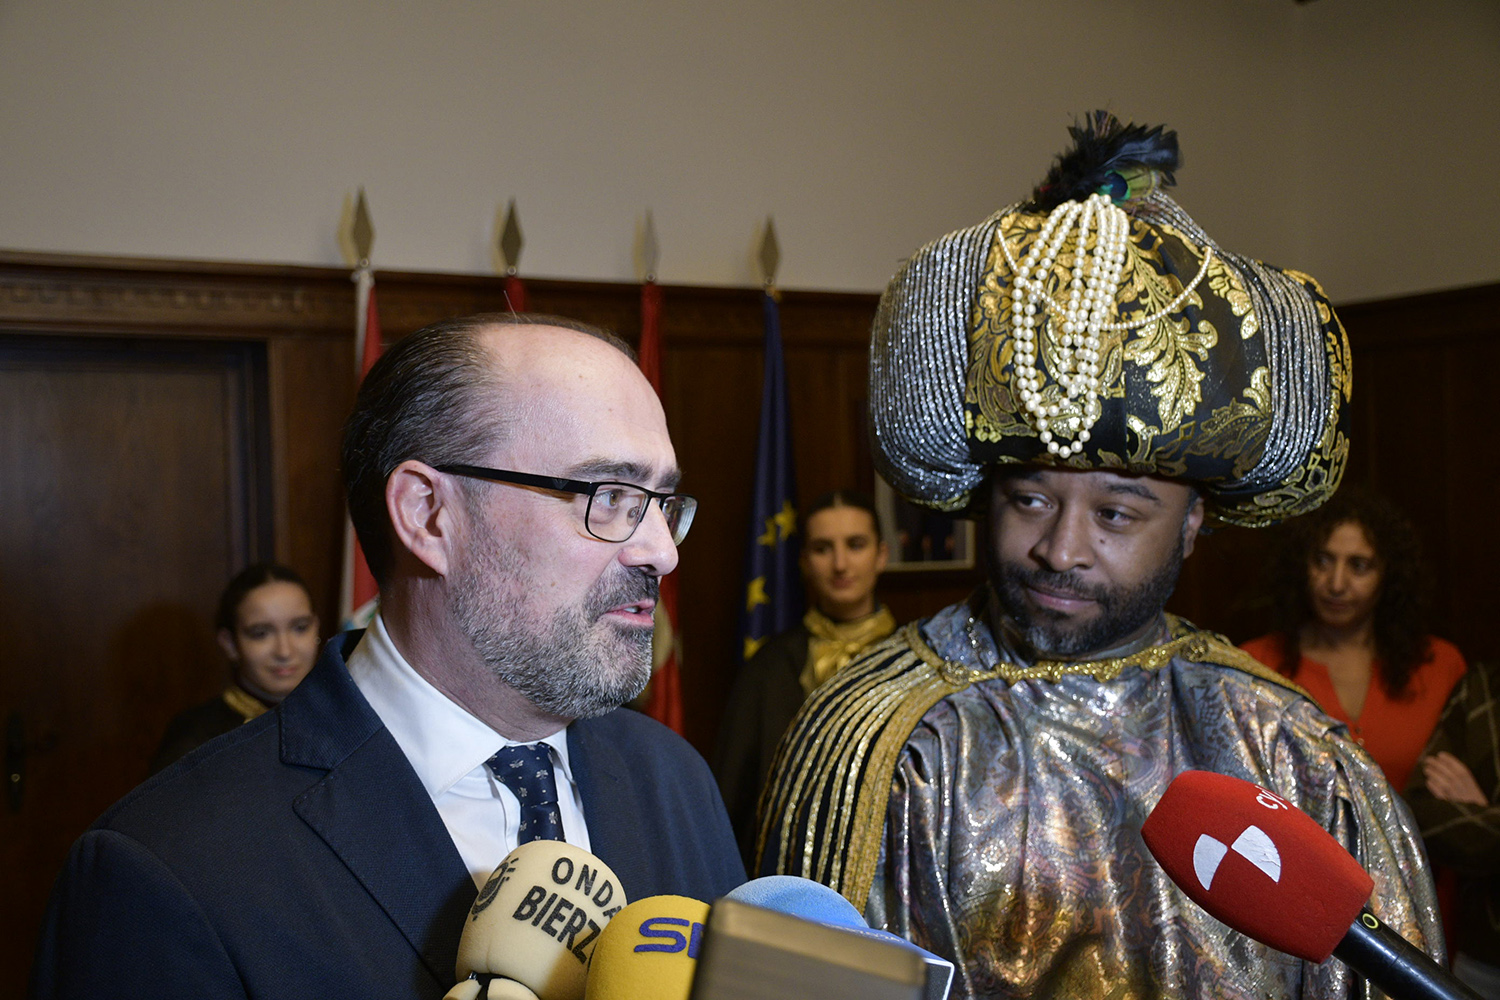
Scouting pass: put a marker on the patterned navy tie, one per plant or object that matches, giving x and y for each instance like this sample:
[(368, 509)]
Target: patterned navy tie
[(527, 771)]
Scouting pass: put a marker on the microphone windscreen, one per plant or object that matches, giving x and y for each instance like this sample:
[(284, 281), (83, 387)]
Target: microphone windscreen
[(800, 897), (1256, 862), (538, 918), (649, 951)]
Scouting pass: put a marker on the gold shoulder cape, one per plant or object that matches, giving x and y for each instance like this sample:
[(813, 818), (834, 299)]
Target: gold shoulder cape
[(823, 812)]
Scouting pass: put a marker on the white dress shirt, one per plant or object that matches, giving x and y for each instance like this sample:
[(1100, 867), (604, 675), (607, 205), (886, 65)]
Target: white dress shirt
[(448, 747)]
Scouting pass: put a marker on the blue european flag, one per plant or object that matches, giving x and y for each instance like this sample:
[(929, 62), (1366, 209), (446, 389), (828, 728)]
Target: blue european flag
[(773, 583)]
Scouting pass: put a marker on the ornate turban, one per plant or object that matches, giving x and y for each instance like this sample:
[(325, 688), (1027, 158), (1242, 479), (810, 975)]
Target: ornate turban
[(1095, 326)]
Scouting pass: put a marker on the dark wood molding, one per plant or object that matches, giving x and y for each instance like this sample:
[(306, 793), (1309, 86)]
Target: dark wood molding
[(65, 293), (1451, 315), (54, 293)]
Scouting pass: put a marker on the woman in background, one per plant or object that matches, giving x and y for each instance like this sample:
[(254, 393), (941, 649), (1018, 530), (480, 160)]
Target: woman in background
[(1351, 606), (267, 629), (842, 559)]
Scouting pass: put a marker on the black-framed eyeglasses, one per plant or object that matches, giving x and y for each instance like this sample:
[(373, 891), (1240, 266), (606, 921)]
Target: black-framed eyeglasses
[(614, 511)]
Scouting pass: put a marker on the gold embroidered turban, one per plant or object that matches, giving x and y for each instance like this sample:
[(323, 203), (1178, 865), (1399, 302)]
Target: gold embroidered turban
[(1095, 326)]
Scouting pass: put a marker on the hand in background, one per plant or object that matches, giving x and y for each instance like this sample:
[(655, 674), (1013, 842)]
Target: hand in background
[(1449, 779)]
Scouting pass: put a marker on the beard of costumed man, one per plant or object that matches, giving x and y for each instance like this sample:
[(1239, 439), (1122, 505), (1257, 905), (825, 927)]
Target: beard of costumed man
[(978, 783)]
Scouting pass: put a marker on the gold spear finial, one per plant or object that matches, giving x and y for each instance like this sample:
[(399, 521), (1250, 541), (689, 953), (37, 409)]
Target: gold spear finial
[(364, 230), (648, 253), (356, 231), (770, 254), (510, 241)]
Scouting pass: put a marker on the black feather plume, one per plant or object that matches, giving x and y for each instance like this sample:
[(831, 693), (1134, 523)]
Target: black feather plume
[(1103, 147)]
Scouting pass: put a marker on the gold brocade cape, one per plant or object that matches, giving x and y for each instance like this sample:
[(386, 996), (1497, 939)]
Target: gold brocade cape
[(990, 811)]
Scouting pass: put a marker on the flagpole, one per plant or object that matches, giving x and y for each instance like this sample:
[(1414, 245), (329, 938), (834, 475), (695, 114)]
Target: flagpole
[(358, 594), (664, 695), (773, 584)]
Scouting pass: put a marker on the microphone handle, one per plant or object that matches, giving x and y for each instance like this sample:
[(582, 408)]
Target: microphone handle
[(1395, 966)]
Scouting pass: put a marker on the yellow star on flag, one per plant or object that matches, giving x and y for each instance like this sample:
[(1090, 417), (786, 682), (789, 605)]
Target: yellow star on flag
[(756, 594), (752, 646), (783, 525)]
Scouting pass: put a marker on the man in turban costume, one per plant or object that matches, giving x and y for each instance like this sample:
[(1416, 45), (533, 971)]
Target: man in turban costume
[(1092, 375)]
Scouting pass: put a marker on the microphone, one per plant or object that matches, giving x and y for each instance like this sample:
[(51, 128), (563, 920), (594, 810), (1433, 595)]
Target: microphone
[(802, 897), (1267, 869), (536, 922), (649, 951)]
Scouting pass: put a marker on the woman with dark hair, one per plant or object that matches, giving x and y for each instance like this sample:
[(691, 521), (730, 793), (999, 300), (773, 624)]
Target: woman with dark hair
[(842, 558), (267, 629), (1350, 593)]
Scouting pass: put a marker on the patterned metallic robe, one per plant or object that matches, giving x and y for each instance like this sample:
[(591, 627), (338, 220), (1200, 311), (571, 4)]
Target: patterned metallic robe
[(990, 810)]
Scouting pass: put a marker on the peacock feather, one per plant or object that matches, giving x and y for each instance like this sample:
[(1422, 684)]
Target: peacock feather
[(1126, 162)]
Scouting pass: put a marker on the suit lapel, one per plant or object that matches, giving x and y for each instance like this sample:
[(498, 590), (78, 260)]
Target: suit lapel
[(615, 834), (372, 811)]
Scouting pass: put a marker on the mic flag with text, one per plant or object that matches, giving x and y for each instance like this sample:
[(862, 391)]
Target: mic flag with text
[(773, 584), (358, 595), (664, 695), (538, 918)]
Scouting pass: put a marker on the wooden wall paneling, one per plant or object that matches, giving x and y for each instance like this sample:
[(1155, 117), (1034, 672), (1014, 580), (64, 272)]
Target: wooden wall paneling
[(110, 635), (712, 414), (134, 495), (1424, 433), (1468, 546), (314, 384)]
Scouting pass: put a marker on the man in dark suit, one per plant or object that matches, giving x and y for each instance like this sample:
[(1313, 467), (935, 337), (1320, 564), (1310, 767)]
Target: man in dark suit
[(331, 848)]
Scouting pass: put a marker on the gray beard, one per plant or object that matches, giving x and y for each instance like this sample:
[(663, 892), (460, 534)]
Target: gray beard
[(572, 665), (1123, 610)]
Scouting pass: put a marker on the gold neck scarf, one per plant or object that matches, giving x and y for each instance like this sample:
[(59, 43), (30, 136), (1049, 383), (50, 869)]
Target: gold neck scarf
[(244, 702), (833, 644)]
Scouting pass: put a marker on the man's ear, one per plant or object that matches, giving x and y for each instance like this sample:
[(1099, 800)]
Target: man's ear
[(1191, 525), (882, 556), (421, 502)]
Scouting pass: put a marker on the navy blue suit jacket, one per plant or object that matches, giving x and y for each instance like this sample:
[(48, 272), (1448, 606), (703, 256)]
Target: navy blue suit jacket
[(299, 856)]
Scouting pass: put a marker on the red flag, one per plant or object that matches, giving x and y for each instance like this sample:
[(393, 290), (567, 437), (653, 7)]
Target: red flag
[(358, 596), (664, 697)]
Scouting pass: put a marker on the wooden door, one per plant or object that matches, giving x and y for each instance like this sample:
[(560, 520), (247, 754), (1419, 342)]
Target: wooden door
[(132, 485)]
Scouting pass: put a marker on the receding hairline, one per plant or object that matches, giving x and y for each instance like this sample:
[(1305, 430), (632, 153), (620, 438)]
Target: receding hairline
[(483, 323)]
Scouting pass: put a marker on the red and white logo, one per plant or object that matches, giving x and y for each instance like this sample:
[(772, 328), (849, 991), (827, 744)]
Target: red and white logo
[(1253, 845)]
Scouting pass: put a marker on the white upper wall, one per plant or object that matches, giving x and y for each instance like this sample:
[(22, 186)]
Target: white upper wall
[(1353, 140)]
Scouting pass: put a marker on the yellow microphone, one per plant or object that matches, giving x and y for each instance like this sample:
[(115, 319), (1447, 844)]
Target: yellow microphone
[(649, 951), (537, 921)]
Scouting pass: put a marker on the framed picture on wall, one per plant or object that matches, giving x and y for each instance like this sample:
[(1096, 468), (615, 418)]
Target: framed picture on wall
[(922, 539)]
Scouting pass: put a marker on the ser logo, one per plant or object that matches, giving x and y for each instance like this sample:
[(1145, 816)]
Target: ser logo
[(661, 932)]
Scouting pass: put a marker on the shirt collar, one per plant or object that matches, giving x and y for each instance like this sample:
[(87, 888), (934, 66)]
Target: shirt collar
[(439, 737)]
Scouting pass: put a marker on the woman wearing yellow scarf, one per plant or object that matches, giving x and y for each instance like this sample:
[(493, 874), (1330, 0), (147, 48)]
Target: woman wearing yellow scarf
[(842, 557)]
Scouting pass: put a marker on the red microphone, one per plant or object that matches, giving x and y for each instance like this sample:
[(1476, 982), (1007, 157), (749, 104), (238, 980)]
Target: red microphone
[(1267, 869)]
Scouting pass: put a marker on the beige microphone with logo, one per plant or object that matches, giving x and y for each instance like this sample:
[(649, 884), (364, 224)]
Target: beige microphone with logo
[(535, 924)]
